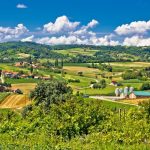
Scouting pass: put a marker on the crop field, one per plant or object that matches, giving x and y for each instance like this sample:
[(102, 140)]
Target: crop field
[(88, 72), (25, 87), (15, 101), (130, 64), (3, 96), (134, 101)]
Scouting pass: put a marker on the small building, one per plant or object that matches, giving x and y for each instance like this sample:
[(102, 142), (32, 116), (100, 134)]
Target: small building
[(46, 78), (2, 88), (17, 91), (114, 83), (139, 94), (122, 95)]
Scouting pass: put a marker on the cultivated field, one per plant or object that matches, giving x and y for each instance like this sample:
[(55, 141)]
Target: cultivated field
[(24, 87), (18, 100), (15, 101)]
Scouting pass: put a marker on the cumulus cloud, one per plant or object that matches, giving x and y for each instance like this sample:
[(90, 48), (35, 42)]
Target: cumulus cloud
[(62, 24), (136, 41), (64, 31), (21, 6), (137, 27), (28, 39), (106, 40), (7, 33), (61, 40), (92, 24)]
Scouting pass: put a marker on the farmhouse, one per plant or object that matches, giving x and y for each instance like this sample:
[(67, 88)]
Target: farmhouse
[(139, 94), (114, 83), (15, 90)]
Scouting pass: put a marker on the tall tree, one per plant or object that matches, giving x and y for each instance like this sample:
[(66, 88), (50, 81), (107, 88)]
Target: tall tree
[(56, 63)]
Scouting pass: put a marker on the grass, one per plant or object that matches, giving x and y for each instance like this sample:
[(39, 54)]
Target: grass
[(114, 105), (76, 51), (109, 90), (18, 81)]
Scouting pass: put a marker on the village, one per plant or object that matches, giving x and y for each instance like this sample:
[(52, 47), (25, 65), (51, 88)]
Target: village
[(121, 93)]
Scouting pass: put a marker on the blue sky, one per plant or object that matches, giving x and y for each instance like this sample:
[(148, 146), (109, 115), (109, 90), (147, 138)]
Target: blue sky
[(26, 20)]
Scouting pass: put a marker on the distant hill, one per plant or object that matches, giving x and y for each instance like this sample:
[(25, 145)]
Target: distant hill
[(9, 52)]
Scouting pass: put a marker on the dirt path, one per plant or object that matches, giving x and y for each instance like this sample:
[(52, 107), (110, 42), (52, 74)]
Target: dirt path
[(15, 101)]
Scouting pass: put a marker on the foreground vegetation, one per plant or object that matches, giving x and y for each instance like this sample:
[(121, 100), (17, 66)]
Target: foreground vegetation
[(58, 120)]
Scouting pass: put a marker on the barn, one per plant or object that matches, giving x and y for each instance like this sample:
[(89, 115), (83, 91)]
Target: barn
[(139, 94)]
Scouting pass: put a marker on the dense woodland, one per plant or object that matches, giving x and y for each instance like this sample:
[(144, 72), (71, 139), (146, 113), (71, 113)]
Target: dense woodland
[(10, 50)]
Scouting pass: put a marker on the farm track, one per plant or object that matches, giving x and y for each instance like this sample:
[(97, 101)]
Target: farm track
[(15, 101)]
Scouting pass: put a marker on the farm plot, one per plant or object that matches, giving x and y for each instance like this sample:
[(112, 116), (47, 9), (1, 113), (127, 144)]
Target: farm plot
[(15, 101), (89, 72), (26, 88), (3, 96)]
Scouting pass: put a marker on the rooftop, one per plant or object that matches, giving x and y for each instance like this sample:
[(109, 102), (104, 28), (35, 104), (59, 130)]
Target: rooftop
[(141, 93)]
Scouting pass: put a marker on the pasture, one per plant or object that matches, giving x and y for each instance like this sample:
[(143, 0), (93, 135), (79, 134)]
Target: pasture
[(77, 51)]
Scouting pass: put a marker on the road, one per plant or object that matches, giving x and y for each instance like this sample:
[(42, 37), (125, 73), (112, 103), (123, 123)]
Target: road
[(111, 98)]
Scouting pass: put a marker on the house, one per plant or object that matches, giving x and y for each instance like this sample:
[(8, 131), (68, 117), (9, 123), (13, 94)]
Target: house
[(46, 78), (2, 88), (18, 64), (17, 91), (36, 77), (24, 76), (114, 83), (139, 94)]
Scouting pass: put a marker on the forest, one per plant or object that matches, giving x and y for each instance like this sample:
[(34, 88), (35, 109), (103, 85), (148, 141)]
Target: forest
[(10, 50)]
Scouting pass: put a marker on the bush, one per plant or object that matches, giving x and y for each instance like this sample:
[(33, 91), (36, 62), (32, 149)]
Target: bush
[(145, 86), (74, 80)]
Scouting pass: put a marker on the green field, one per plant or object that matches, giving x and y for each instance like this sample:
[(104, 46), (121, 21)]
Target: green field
[(76, 51)]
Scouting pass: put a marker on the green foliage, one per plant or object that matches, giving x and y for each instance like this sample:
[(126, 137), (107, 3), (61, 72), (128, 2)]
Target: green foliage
[(132, 75), (145, 86), (101, 84), (52, 92)]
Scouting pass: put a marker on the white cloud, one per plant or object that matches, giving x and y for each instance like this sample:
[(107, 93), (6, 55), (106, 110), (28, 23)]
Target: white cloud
[(28, 39), (62, 24), (137, 27), (136, 41), (61, 40), (21, 6), (77, 40), (7, 33), (92, 24), (63, 31), (106, 41)]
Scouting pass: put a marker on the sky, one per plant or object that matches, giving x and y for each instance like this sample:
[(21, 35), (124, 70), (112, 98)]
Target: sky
[(89, 22)]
